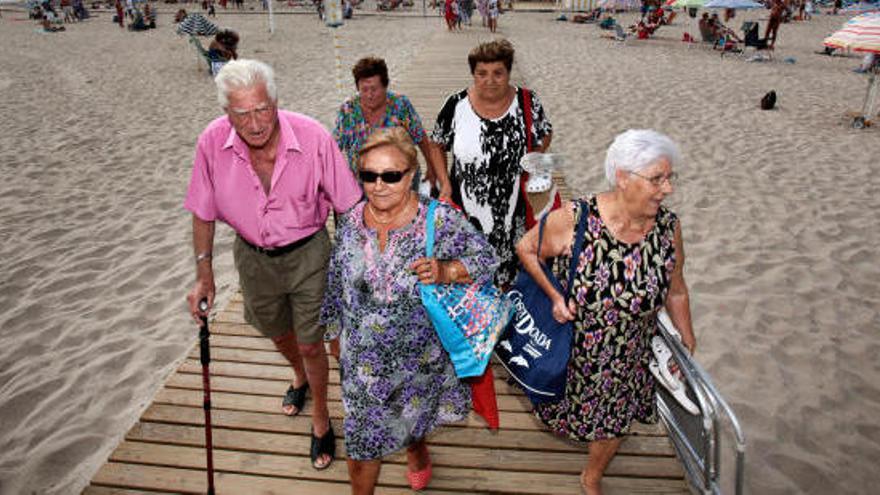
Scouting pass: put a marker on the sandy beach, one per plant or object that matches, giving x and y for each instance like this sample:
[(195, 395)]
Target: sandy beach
[(778, 210)]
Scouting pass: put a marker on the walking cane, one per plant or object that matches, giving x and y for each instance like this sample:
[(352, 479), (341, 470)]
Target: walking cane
[(205, 351)]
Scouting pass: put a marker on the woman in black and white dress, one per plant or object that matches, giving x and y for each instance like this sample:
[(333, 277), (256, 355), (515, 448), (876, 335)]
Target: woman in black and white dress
[(484, 128)]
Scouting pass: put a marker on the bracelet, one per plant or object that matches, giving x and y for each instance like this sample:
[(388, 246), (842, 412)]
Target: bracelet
[(203, 256), (451, 271)]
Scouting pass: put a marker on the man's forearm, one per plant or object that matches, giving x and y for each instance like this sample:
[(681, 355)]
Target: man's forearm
[(203, 245)]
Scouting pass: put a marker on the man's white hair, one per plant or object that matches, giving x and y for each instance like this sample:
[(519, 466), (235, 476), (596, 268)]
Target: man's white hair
[(244, 73), (638, 149)]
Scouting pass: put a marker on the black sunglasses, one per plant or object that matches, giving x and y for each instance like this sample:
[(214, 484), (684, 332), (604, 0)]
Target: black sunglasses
[(392, 177)]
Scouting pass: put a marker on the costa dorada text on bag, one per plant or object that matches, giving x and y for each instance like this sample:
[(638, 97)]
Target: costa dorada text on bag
[(524, 324)]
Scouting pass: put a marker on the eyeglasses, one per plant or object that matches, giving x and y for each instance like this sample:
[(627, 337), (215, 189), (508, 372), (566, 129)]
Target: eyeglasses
[(391, 177), (658, 180), (259, 112)]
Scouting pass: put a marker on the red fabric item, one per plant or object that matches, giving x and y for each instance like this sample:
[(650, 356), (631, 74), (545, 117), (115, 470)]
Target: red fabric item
[(483, 397)]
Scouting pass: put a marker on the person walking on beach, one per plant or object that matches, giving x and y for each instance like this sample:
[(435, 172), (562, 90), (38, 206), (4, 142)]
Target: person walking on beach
[(484, 128), (483, 9), (119, 17), (630, 267), (273, 176), (494, 10), (374, 107), (449, 14), (398, 383), (773, 23)]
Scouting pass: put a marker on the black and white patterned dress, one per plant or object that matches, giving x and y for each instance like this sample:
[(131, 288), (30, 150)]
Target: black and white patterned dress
[(485, 171)]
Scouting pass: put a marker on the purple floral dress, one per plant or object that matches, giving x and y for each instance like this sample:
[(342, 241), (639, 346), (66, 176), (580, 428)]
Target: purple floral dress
[(618, 288), (398, 383)]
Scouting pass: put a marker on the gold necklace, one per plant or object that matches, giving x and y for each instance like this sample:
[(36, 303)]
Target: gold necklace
[(380, 222)]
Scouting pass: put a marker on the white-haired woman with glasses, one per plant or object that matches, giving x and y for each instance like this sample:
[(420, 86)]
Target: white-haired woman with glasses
[(631, 266), (398, 384)]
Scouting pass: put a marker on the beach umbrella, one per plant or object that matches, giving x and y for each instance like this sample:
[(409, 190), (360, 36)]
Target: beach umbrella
[(691, 4), (614, 5), (732, 4), (859, 34), (196, 24)]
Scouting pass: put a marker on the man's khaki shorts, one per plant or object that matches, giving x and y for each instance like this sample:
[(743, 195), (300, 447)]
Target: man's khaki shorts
[(284, 293)]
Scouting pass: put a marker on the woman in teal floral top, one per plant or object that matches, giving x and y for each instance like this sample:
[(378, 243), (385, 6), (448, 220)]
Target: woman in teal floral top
[(398, 383), (631, 266), (374, 107)]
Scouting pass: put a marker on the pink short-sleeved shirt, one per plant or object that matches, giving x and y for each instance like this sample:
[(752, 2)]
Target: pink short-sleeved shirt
[(309, 178)]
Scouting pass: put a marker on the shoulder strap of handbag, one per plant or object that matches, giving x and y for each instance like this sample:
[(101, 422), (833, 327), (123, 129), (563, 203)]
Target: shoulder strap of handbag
[(527, 115), (578, 246), (429, 229), (578, 242)]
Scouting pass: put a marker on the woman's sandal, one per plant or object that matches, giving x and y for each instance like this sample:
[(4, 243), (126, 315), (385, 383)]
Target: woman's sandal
[(324, 445), (418, 480), (295, 397)]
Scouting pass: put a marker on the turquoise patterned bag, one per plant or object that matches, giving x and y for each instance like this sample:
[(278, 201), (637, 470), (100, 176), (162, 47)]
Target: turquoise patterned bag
[(468, 318)]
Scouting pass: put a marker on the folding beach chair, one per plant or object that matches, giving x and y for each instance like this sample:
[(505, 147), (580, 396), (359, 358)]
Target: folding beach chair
[(213, 64), (752, 39)]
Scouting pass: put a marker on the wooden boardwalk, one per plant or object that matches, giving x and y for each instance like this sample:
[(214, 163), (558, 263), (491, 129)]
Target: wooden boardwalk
[(259, 450)]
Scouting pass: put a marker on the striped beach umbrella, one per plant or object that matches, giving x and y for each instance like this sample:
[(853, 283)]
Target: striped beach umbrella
[(733, 4), (196, 24), (859, 34)]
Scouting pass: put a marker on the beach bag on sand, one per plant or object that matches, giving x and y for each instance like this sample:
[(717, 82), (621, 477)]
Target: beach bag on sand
[(556, 201), (535, 348), (768, 101), (468, 318)]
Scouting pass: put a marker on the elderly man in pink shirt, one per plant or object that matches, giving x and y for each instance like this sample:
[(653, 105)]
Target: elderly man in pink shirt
[(273, 176)]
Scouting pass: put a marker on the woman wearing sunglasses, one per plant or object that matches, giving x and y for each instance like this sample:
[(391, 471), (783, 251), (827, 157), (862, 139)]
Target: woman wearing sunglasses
[(398, 383)]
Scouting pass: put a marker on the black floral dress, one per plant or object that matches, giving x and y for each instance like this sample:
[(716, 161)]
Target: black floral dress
[(618, 288), (485, 170)]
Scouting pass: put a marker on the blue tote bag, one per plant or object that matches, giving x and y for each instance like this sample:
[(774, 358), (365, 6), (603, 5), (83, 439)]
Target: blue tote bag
[(468, 318), (535, 348)]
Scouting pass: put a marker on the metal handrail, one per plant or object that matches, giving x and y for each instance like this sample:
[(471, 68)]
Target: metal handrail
[(710, 402)]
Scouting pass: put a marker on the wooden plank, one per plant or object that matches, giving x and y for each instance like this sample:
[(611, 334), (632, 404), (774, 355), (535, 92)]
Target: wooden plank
[(284, 373), (226, 328), (107, 490), (241, 342), (276, 388), (176, 480), (246, 402), (465, 455), (518, 420), (392, 475), (508, 398), (501, 439)]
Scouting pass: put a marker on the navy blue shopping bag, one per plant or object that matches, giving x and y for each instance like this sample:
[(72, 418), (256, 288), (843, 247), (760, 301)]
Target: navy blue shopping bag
[(534, 347)]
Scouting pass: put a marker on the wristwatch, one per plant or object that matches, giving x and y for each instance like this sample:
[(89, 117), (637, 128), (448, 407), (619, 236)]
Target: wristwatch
[(203, 256)]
